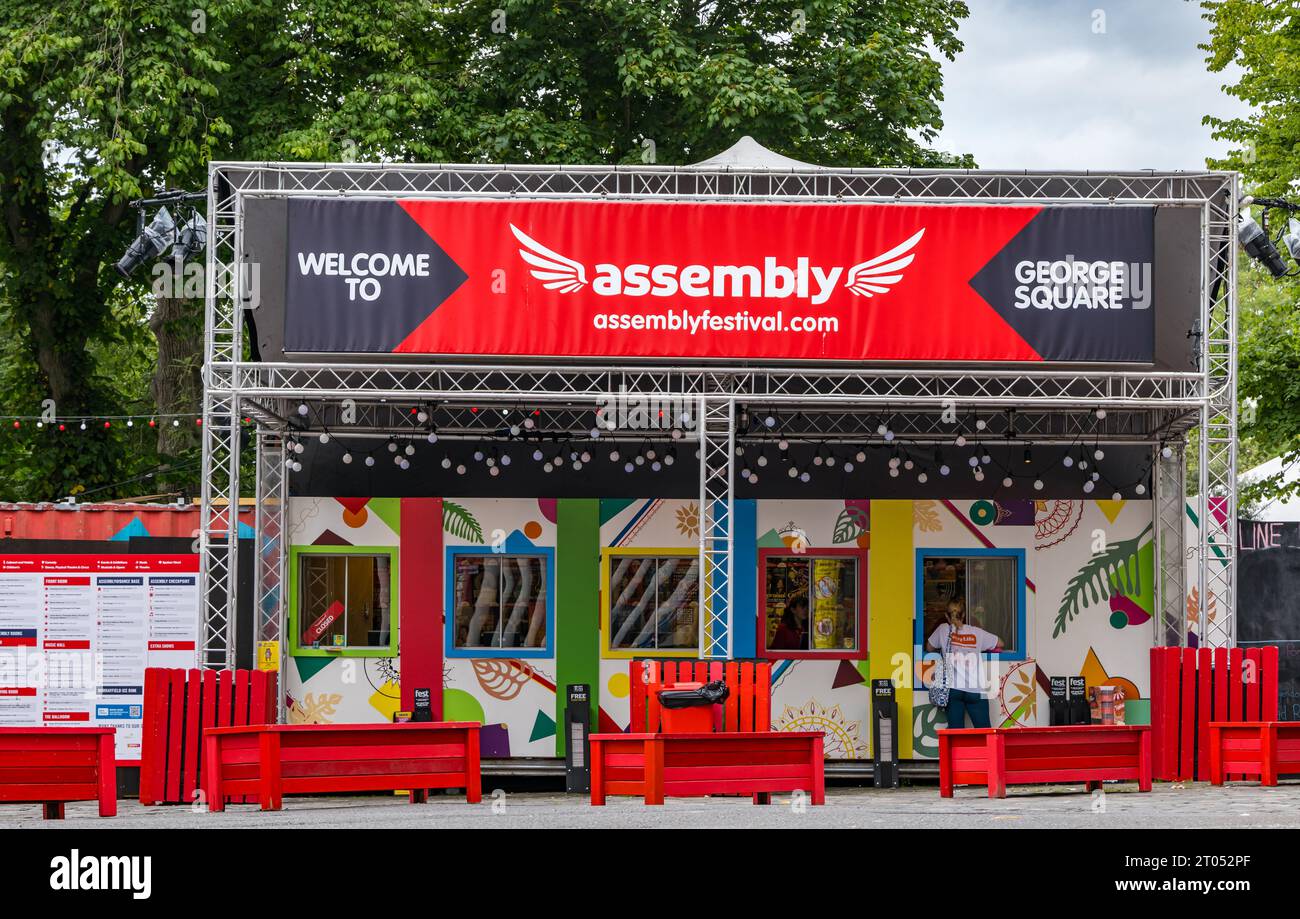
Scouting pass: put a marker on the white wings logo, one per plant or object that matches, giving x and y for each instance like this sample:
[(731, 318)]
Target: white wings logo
[(877, 275), (865, 279), (555, 271)]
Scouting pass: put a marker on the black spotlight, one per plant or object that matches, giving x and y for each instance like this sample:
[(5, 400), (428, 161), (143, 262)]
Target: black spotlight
[(1259, 247), (154, 240)]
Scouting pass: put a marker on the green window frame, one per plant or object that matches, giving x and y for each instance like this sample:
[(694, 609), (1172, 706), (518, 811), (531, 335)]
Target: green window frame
[(296, 555)]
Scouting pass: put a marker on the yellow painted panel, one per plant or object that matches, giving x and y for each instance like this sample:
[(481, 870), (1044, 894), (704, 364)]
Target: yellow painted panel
[(892, 575)]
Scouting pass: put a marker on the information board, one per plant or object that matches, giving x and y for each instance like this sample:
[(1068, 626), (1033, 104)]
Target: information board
[(78, 631)]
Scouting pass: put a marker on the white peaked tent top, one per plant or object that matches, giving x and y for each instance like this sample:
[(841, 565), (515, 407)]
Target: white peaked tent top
[(1283, 509), (748, 153)]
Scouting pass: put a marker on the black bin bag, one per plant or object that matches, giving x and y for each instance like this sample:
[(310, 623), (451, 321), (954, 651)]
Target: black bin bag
[(708, 694)]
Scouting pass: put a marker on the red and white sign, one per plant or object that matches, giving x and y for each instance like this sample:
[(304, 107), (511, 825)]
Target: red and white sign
[(736, 281)]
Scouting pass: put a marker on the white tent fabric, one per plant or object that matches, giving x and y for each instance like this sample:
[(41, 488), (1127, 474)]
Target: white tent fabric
[(748, 153)]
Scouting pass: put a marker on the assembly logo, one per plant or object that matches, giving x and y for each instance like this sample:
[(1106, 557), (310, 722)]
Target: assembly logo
[(771, 280)]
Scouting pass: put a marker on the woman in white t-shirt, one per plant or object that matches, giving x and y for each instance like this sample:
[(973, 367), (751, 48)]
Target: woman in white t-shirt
[(965, 670)]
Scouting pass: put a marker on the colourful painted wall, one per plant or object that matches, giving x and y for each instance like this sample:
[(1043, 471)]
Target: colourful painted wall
[(1075, 621)]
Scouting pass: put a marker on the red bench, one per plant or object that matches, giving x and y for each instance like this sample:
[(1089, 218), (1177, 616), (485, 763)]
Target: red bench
[(271, 760), (1254, 748), (748, 706), (682, 765), (1087, 753), (51, 766)]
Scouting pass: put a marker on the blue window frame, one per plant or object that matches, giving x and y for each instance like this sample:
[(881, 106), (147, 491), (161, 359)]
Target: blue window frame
[(1018, 594), (521, 582)]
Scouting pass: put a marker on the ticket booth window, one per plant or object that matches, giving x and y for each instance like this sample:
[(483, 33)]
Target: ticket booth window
[(813, 604), (344, 602), (990, 585), (653, 604), (499, 601)]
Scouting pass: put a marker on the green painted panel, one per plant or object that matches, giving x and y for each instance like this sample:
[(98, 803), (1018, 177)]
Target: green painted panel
[(577, 604), (388, 510)]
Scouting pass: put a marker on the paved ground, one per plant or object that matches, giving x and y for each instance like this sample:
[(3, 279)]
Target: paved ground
[(1173, 806)]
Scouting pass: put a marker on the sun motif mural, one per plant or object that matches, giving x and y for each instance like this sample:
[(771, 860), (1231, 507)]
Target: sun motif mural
[(843, 738)]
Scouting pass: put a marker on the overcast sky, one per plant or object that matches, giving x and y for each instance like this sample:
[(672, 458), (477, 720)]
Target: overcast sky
[(1037, 88)]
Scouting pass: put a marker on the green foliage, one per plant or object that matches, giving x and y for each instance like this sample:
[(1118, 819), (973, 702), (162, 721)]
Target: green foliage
[(1263, 40), (104, 101)]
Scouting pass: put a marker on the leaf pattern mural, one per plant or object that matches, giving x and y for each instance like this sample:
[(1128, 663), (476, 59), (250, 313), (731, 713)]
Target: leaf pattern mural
[(1091, 585), (459, 522)]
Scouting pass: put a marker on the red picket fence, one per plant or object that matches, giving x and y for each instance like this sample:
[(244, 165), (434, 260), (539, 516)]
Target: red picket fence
[(1190, 687), (748, 707), (178, 705)]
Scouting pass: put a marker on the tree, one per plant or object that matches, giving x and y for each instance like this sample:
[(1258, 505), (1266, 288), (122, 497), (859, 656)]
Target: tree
[(1262, 37), (106, 101)]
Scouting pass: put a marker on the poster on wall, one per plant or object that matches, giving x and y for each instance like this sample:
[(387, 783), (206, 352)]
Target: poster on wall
[(722, 280), (78, 631)]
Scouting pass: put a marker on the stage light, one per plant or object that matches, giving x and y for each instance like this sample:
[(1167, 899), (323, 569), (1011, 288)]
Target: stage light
[(1029, 456), (152, 241), (191, 238), (1256, 243)]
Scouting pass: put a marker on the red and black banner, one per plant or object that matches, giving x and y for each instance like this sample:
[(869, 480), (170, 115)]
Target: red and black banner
[(731, 281)]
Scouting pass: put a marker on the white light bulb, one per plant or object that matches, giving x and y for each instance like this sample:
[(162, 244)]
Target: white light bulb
[(923, 478), (762, 459), (460, 469), (861, 456), (405, 464), (432, 438), (537, 455), (494, 471), (1098, 454), (613, 456), (1167, 452), (793, 472), (1117, 497), (446, 462), (1038, 484), (1140, 488), (547, 467), (478, 456), (297, 466), (628, 467), (909, 465), (586, 456), (324, 438), (753, 479), (302, 409), (981, 424), (944, 470), (505, 459), (347, 457), (848, 466), (422, 416), (979, 475), (1067, 462), (781, 444), (514, 430), (1087, 487), (974, 461), (804, 477), (1101, 413), (1007, 482), (656, 466), (392, 447), (961, 440), (893, 473), (410, 450), (370, 460)]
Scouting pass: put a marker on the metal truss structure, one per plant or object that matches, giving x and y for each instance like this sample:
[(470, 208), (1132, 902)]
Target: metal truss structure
[(843, 402)]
